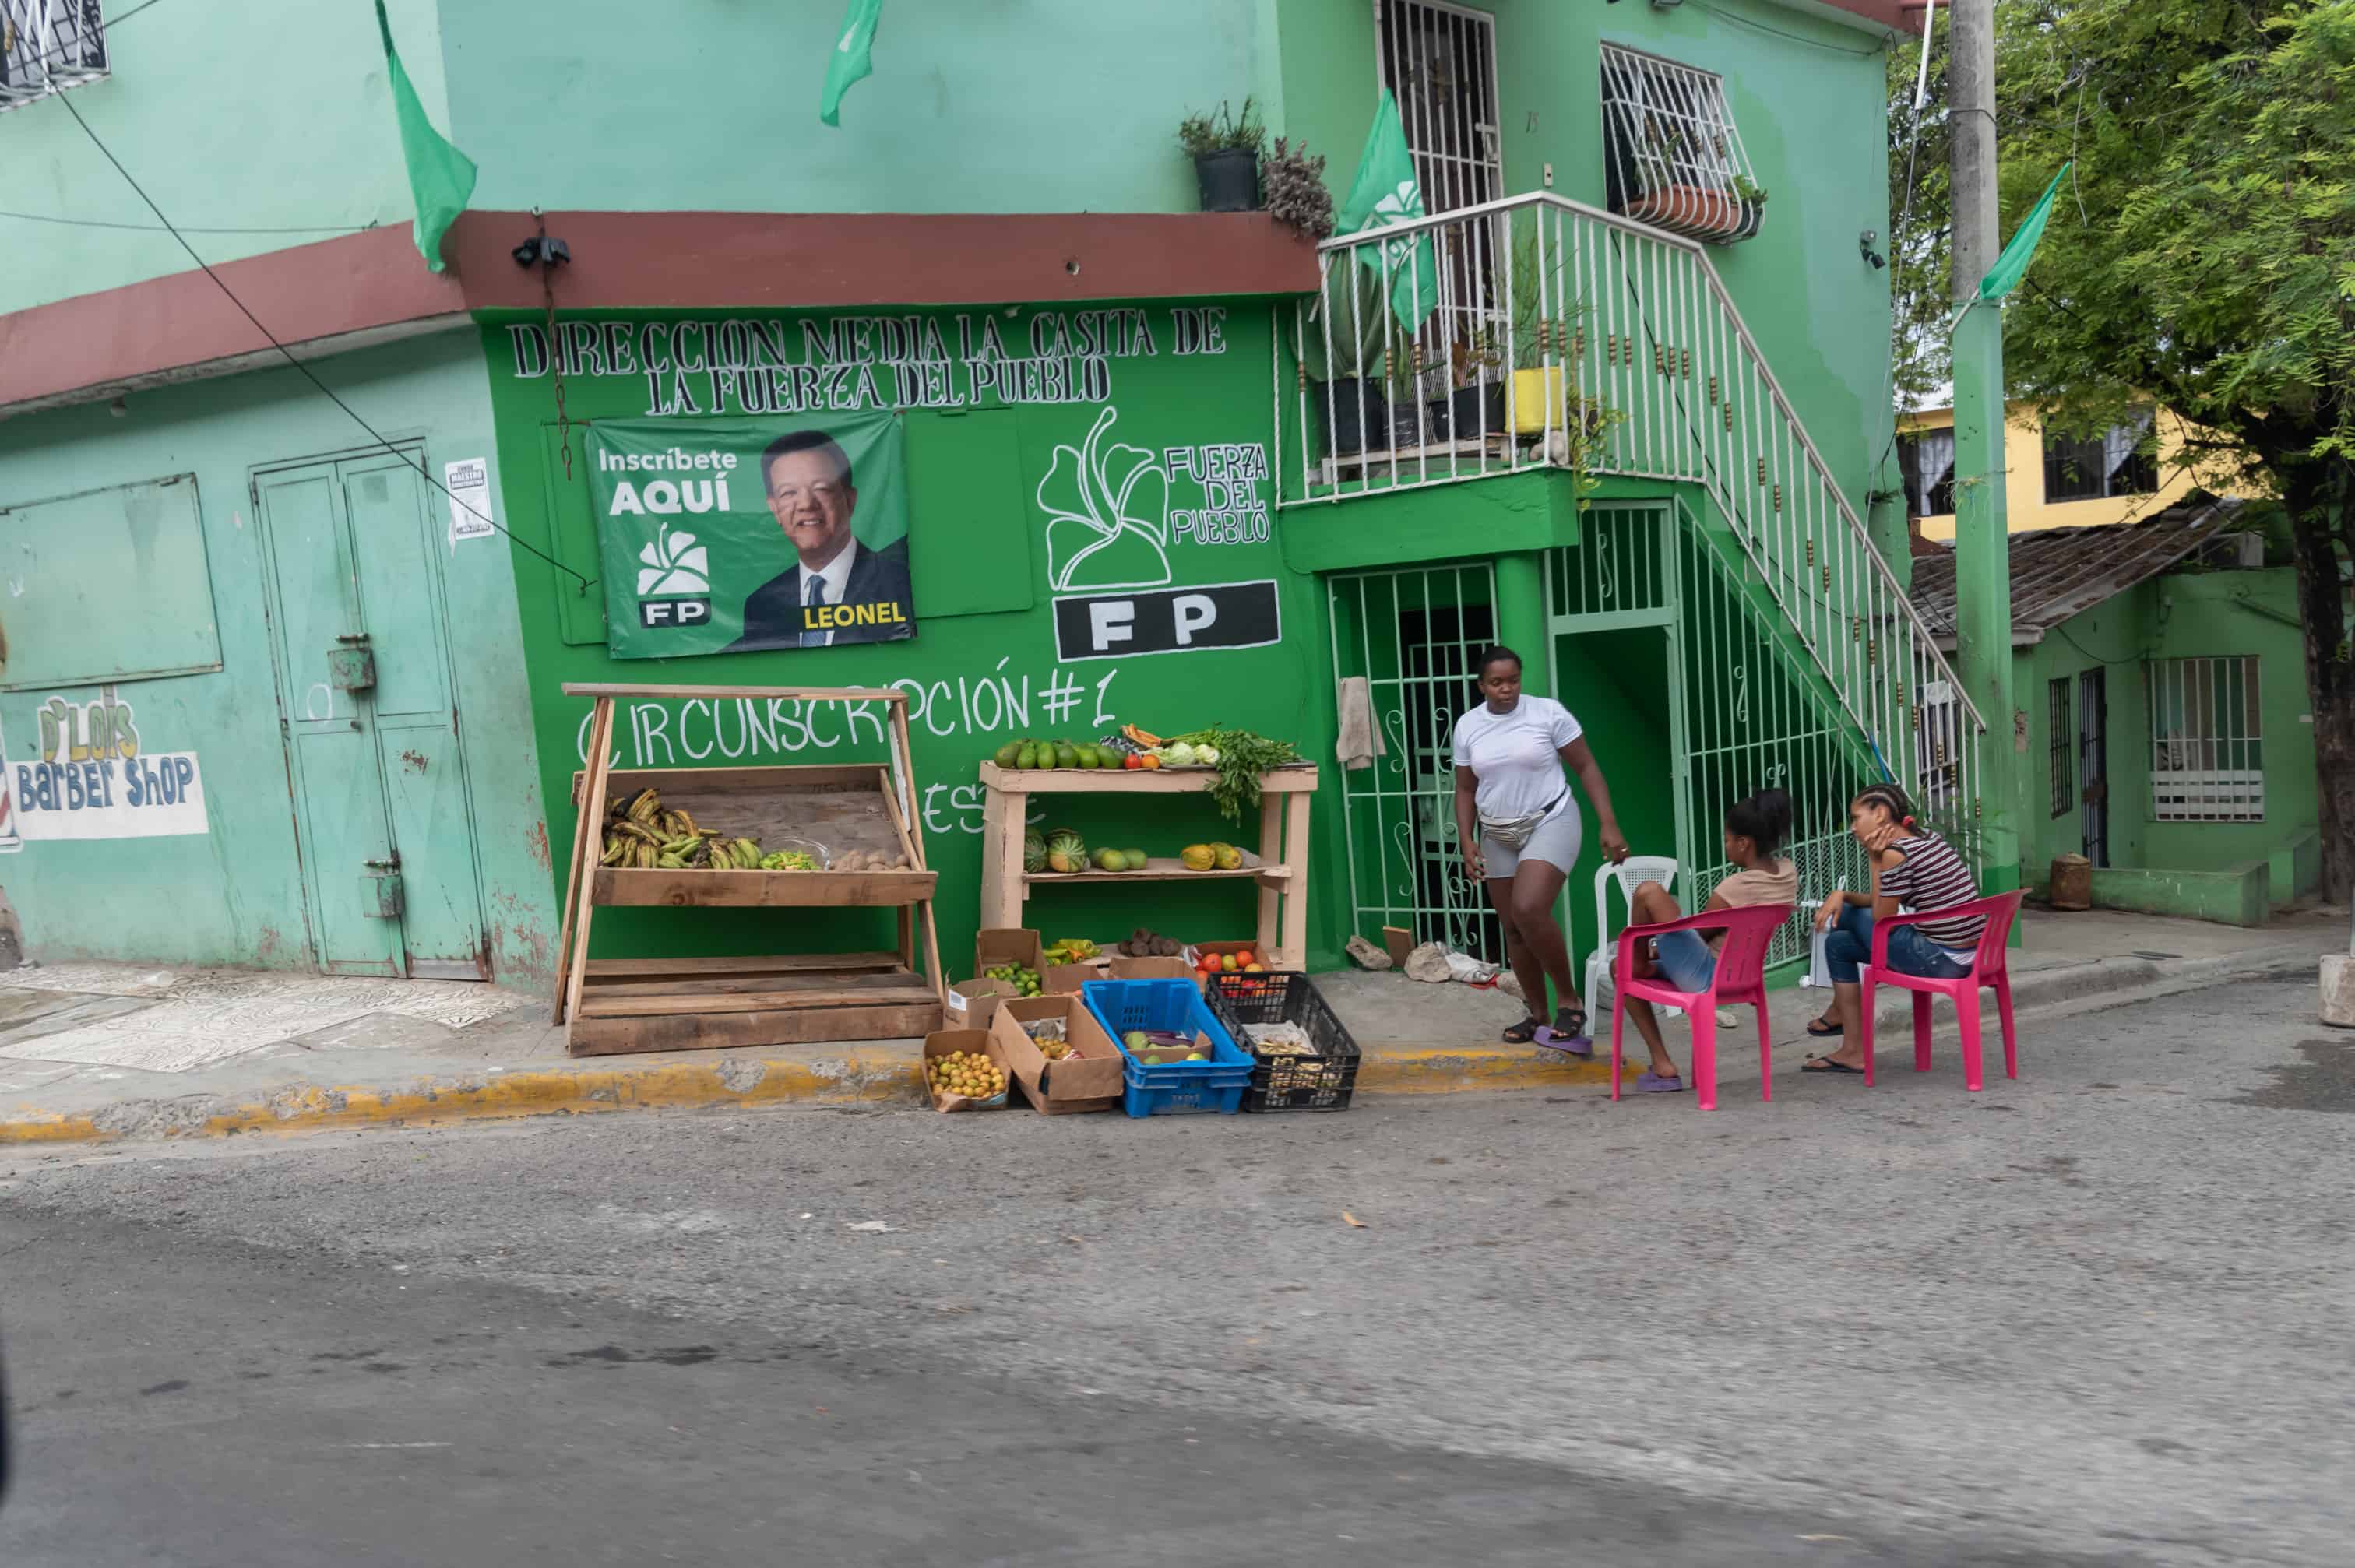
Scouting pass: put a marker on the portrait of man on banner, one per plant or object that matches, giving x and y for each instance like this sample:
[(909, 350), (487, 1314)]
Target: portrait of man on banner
[(748, 534), (812, 492)]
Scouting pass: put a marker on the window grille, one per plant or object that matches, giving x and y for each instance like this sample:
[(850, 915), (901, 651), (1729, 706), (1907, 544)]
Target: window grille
[(2119, 462), (1927, 459), (2060, 744), (1440, 60), (1671, 155), (2207, 762), (46, 46)]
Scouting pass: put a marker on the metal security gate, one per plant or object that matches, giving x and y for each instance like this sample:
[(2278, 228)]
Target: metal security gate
[(1747, 712), (1412, 636)]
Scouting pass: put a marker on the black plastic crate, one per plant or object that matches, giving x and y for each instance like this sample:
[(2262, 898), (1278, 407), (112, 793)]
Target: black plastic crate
[(1322, 1082)]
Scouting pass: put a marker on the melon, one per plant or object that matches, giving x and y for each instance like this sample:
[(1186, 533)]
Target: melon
[(1034, 850), (1066, 851)]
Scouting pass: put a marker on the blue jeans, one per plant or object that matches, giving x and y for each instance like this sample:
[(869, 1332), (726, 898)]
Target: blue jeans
[(1850, 944), (1684, 961)]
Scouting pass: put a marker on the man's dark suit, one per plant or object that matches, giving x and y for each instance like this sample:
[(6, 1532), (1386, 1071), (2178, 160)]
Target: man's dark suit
[(773, 612)]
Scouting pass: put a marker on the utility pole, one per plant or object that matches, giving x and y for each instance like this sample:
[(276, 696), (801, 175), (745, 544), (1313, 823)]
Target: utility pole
[(1982, 543)]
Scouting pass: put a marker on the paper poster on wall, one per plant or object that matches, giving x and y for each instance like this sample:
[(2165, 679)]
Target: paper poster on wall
[(468, 481), (93, 781), (735, 535)]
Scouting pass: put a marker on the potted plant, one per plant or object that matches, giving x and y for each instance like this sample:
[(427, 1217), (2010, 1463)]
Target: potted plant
[(1293, 185), (1416, 417), (1476, 375), (1225, 149), (1541, 343), (1342, 352)]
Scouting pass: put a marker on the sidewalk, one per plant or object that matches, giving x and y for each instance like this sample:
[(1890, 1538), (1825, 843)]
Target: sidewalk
[(98, 1052)]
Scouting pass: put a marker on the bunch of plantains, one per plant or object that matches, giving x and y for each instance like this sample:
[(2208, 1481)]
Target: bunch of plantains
[(642, 834)]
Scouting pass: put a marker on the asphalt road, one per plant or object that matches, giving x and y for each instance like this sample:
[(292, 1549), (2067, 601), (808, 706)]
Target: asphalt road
[(2095, 1315)]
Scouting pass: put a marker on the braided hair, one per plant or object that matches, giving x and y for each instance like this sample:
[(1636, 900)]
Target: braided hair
[(1889, 798)]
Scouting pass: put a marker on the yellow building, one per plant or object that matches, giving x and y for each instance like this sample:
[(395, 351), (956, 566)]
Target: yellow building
[(2050, 481)]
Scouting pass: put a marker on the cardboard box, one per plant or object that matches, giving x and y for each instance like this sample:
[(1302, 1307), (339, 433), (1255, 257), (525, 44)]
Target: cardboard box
[(947, 1042), (1150, 969), (1087, 1080), (972, 1003), (1398, 942), (995, 945), (1065, 980)]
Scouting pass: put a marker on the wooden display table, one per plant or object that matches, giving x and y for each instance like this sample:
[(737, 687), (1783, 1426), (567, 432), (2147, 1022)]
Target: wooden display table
[(1282, 876), (612, 1005)]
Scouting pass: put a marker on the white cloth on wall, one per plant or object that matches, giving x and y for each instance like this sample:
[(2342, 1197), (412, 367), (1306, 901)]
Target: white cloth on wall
[(1361, 738)]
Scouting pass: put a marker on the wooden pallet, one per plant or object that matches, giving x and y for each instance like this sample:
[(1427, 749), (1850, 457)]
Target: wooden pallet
[(613, 1005)]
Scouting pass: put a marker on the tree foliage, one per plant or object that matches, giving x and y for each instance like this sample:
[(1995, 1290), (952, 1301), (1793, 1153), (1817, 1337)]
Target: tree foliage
[(2202, 255)]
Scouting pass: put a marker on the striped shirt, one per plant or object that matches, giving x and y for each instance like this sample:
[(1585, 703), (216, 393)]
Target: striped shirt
[(1934, 877)]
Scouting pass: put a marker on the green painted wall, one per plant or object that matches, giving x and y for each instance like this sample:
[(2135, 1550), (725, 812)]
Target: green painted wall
[(2181, 616), (1016, 106), (219, 138), (235, 895), (985, 629)]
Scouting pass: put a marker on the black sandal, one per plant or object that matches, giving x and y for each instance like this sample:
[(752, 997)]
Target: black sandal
[(1825, 1064), (1822, 1029), (1524, 1032)]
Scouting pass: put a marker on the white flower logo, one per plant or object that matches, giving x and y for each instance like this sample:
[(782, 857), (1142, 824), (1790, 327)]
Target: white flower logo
[(675, 563), (1107, 516)]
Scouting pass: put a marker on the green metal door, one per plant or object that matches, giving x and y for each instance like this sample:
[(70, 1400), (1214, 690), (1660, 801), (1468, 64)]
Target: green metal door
[(1412, 636), (378, 767)]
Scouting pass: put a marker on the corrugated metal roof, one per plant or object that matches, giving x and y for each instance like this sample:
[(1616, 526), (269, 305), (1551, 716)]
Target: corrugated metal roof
[(2058, 572)]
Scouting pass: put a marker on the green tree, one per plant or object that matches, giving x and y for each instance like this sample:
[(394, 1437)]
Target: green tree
[(2201, 257)]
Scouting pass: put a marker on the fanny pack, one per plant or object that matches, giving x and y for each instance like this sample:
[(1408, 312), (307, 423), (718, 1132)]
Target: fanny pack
[(1512, 832)]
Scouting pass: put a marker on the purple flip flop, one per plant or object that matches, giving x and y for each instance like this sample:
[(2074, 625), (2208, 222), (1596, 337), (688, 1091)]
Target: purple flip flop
[(1578, 1045), (1651, 1082)]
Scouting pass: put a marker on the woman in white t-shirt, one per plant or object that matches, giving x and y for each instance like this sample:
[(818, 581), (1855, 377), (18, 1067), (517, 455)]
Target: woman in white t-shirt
[(1519, 830)]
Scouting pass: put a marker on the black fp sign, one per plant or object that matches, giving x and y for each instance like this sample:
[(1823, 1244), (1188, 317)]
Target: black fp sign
[(1166, 620)]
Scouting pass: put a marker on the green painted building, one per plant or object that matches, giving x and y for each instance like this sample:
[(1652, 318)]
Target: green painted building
[(1148, 464), (2164, 729)]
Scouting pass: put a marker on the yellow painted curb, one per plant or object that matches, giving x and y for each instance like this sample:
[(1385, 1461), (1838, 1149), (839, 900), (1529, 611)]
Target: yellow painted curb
[(870, 1073)]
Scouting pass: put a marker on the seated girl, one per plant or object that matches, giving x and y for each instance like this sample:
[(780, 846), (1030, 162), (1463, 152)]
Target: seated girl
[(1754, 829), (1909, 866)]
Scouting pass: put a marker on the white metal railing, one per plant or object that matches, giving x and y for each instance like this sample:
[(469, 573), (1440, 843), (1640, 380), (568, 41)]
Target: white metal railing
[(46, 46), (1610, 347)]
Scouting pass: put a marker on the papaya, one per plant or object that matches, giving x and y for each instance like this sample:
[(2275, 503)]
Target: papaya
[(1197, 857), (1110, 860)]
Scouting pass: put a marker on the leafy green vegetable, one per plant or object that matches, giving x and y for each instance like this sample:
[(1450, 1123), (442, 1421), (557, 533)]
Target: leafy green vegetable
[(1243, 756)]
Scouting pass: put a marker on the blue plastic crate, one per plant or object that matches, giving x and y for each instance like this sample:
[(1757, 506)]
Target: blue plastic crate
[(1176, 1089)]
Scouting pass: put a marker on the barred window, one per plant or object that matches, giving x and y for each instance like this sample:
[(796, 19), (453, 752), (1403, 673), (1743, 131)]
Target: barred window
[(2061, 745), (2207, 762), (2118, 461), (1672, 156), (1927, 459), (48, 44)]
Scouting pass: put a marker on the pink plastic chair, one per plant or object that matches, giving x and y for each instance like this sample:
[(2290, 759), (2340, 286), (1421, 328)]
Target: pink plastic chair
[(1987, 970), (1740, 976)]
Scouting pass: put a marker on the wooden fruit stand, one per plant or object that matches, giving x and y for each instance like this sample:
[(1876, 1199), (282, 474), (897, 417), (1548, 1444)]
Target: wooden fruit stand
[(611, 1005), (1282, 876)]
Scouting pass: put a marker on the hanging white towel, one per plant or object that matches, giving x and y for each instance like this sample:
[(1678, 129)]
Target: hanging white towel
[(1361, 738)]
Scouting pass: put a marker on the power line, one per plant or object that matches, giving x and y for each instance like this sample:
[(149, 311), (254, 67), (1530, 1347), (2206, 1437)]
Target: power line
[(188, 229), (305, 370)]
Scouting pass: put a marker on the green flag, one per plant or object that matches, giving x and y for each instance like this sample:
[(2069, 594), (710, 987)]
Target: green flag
[(1385, 193), (849, 63), (441, 177), (2004, 276)]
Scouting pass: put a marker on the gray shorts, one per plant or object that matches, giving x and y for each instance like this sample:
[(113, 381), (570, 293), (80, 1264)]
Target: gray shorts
[(1556, 843)]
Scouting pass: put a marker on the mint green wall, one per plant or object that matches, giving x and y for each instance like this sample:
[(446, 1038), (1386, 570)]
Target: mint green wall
[(235, 895), (1015, 106), (251, 122), (2181, 616), (977, 548)]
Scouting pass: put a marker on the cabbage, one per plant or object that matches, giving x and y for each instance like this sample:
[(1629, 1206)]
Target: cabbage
[(1180, 754), (1207, 756)]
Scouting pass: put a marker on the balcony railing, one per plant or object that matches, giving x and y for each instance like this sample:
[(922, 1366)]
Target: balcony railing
[(1566, 338), (48, 45)]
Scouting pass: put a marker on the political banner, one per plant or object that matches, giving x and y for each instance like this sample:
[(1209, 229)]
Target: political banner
[(733, 535)]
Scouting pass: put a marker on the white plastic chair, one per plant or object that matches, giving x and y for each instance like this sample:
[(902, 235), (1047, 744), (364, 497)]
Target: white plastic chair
[(1631, 873)]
